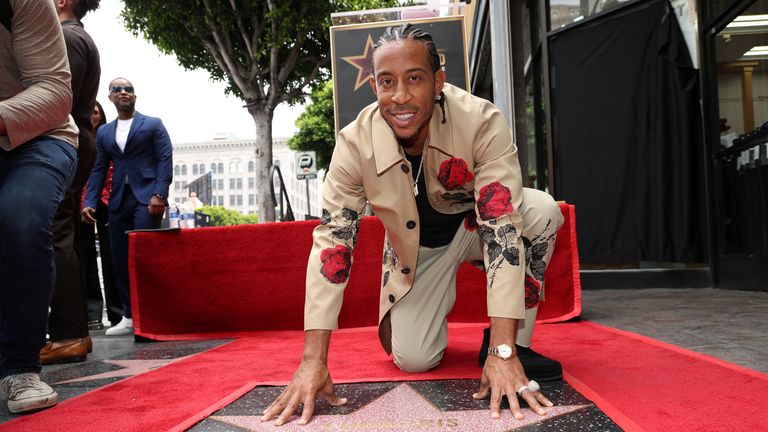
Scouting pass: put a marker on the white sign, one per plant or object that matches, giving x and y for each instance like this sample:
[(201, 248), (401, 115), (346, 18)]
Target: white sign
[(306, 165)]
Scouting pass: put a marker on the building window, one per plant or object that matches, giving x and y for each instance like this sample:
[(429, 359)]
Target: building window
[(251, 166), (176, 185), (213, 168), (202, 168), (177, 170), (232, 200), (232, 167), (213, 185), (251, 182), (251, 199), (183, 184), (231, 183), (221, 167), (221, 183), (183, 170), (194, 169), (239, 183), (239, 200)]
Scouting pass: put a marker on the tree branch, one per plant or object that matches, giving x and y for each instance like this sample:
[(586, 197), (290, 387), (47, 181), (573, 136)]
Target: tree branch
[(243, 31), (273, 56), (299, 90), (224, 50)]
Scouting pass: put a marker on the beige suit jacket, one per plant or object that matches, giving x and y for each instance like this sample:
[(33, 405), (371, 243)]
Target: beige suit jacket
[(470, 162)]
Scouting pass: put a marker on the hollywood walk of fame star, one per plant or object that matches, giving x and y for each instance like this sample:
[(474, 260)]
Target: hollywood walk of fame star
[(363, 63), (129, 368), (403, 409)]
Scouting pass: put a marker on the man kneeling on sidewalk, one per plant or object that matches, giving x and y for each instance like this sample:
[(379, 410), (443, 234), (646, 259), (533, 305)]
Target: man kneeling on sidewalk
[(448, 189)]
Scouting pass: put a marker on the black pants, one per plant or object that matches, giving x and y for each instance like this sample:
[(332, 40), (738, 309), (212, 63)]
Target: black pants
[(88, 255), (67, 319)]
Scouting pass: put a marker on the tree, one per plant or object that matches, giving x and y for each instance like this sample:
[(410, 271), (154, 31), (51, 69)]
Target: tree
[(221, 216), (317, 130), (267, 51)]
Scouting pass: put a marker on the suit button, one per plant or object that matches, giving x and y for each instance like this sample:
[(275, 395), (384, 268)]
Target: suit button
[(391, 298), (405, 270), (410, 224), (405, 168)]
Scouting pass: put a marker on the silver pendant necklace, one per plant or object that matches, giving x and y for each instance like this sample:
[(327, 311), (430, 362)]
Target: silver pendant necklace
[(418, 173)]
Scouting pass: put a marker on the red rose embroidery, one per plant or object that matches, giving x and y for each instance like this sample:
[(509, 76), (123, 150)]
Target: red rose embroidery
[(495, 200), (336, 263), (454, 172), (532, 290), (470, 221)]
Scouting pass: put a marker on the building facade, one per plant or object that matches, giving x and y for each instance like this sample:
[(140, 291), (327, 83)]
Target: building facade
[(231, 163)]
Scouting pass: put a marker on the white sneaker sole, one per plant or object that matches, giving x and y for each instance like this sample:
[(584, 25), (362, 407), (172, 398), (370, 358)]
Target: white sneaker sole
[(124, 331), (33, 404)]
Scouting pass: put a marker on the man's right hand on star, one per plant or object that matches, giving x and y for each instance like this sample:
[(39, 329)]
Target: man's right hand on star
[(311, 378)]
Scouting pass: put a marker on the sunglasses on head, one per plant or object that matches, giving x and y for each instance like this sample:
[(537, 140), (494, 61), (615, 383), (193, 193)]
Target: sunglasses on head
[(118, 89)]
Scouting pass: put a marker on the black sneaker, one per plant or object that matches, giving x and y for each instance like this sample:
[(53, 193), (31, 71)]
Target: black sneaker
[(536, 366)]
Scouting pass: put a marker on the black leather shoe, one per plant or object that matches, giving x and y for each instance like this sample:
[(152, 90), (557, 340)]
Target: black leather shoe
[(95, 325), (536, 366)]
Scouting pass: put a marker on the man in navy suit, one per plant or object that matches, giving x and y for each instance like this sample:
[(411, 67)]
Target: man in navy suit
[(140, 149)]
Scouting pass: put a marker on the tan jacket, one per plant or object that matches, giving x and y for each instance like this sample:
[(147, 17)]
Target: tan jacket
[(470, 162), (35, 93)]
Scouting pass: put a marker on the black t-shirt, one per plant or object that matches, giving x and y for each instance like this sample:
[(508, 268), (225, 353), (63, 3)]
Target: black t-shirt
[(437, 229)]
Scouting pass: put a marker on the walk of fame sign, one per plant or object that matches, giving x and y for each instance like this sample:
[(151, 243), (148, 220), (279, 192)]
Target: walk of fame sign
[(352, 53)]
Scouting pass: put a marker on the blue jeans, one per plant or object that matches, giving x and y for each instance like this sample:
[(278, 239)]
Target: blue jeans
[(33, 179)]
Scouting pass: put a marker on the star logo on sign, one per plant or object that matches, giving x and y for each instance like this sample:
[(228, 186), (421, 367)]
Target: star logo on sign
[(363, 63), (403, 408)]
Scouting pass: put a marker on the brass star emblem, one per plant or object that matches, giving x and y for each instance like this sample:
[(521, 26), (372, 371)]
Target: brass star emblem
[(363, 63)]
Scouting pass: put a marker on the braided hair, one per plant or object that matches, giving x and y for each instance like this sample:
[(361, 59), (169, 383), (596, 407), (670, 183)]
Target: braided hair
[(408, 32)]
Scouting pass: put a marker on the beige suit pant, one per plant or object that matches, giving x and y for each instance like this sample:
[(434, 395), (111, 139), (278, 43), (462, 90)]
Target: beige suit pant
[(419, 320)]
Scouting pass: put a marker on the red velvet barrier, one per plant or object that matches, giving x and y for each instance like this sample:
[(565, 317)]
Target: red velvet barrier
[(227, 281)]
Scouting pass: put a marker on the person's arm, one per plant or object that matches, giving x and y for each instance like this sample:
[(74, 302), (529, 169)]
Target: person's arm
[(98, 172), (163, 169), (41, 59), (328, 270), (498, 196)]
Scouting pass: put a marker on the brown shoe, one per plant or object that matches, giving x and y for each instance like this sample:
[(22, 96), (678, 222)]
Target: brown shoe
[(89, 344), (64, 351)]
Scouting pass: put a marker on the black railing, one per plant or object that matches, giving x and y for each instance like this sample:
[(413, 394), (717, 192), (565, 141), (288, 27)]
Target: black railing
[(285, 210), (744, 171)]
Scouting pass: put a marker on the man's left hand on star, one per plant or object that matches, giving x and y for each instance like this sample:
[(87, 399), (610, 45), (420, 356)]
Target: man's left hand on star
[(503, 378)]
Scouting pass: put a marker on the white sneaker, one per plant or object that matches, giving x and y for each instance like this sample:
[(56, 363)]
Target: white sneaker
[(25, 392), (124, 327)]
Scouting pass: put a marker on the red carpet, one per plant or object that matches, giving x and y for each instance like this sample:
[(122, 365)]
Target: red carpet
[(645, 384), (228, 281), (640, 383)]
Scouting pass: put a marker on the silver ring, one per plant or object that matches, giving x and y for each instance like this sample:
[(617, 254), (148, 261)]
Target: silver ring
[(533, 386), (522, 390)]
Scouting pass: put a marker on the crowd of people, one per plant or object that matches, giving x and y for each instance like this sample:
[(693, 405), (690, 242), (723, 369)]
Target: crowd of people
[(66, 176), (437, 165)]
